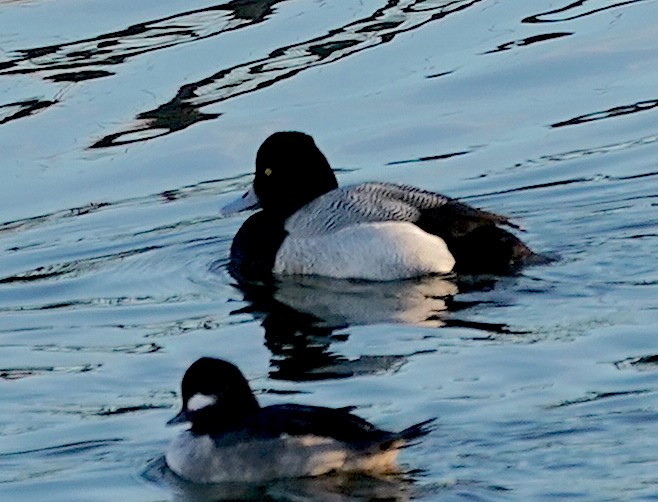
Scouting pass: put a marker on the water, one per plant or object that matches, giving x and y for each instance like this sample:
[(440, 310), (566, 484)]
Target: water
[(124, 133)]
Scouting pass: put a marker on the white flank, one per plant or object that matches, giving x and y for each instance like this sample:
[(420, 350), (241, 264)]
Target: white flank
[(379, 251), (201, 460)]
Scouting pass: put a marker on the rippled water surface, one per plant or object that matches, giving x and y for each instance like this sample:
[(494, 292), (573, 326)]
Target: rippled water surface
[(125, 126)]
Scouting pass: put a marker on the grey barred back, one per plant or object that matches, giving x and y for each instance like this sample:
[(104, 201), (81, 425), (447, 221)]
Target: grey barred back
[(363, 203), (375, 202)]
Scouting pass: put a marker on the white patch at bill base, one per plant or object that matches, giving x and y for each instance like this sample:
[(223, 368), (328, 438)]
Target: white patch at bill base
[(199, 401)]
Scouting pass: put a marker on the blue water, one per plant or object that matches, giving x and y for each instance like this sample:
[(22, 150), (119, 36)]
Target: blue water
[(125, 126)]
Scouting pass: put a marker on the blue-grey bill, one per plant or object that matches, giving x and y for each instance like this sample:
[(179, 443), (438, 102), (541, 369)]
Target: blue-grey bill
[(181, 418), (249, 200)]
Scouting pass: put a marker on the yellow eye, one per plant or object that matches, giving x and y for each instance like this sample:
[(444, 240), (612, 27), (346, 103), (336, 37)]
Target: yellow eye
[(267, 171)]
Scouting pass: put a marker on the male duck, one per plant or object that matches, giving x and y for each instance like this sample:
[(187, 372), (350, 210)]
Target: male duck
[(374, 231), (233, 439)]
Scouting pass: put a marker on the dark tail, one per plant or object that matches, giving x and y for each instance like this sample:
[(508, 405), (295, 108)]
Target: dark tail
[(477, 239), (402, 439), (418, 430), (489, 249)]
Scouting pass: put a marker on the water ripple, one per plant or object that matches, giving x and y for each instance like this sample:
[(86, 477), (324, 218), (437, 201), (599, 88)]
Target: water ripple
[(569, 181), (529, 41), (381, 27), (642, 363), (617, 111), (441, 156), (122, 301), (592, 397), (87, 55), (72, 268), (65, 449), (25, 108), (142, 348), (209, 188), (547, 16), (28, 371)]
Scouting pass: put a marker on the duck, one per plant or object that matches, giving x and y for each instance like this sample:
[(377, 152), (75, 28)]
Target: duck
[(233, 439), (308, 225)]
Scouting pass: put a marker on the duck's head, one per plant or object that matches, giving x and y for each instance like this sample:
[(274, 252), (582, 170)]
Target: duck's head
[(291, 171), (215, 394)]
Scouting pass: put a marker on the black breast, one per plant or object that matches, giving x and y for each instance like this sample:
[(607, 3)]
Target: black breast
[(255, 246)]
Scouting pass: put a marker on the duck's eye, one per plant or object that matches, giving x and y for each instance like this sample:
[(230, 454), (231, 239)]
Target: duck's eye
[(267, 171)]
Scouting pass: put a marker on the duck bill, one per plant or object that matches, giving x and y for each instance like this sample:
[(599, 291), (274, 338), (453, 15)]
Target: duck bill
[(181, 418), (249, 200)]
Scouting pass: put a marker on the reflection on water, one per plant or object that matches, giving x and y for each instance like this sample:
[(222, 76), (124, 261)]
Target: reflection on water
[(332, 488), (21, 109), (57, 62), (88, 59), (18, 373), (303, 316), (300, 315), (582, 9), (65, 449), (398, 16), (644, 363), (113, 264), (338, 303), (528, 41), (593, 397), (617, 111), (51, 460)]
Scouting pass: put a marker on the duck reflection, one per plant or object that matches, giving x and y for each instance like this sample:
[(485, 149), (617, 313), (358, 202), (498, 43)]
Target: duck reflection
[(304, 315), (340, 303), (332, 487)]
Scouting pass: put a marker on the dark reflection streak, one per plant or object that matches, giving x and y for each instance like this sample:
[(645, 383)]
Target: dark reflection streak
[(617, 111), (203, 187), (143, 348), (529, 187), (598, 396), (650, 360), (636, 176), (496, 328), (283, 63), (118, 301), (79, 76), (169, 127), (19, 373), (429, 158), (25, 108), (536, 17), (643, 236), (584, 152), (107, 49), (122, 410), (529, 41), (634, 199), (66, 213), (68, 268), (557, 183), (441, 74), (302, 317)]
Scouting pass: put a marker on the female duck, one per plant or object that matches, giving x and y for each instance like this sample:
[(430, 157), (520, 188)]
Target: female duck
[(374, 231), (233, 439)]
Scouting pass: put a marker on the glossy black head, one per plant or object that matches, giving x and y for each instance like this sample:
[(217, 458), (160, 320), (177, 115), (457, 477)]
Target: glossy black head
[(215, 395), (290, 172)]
